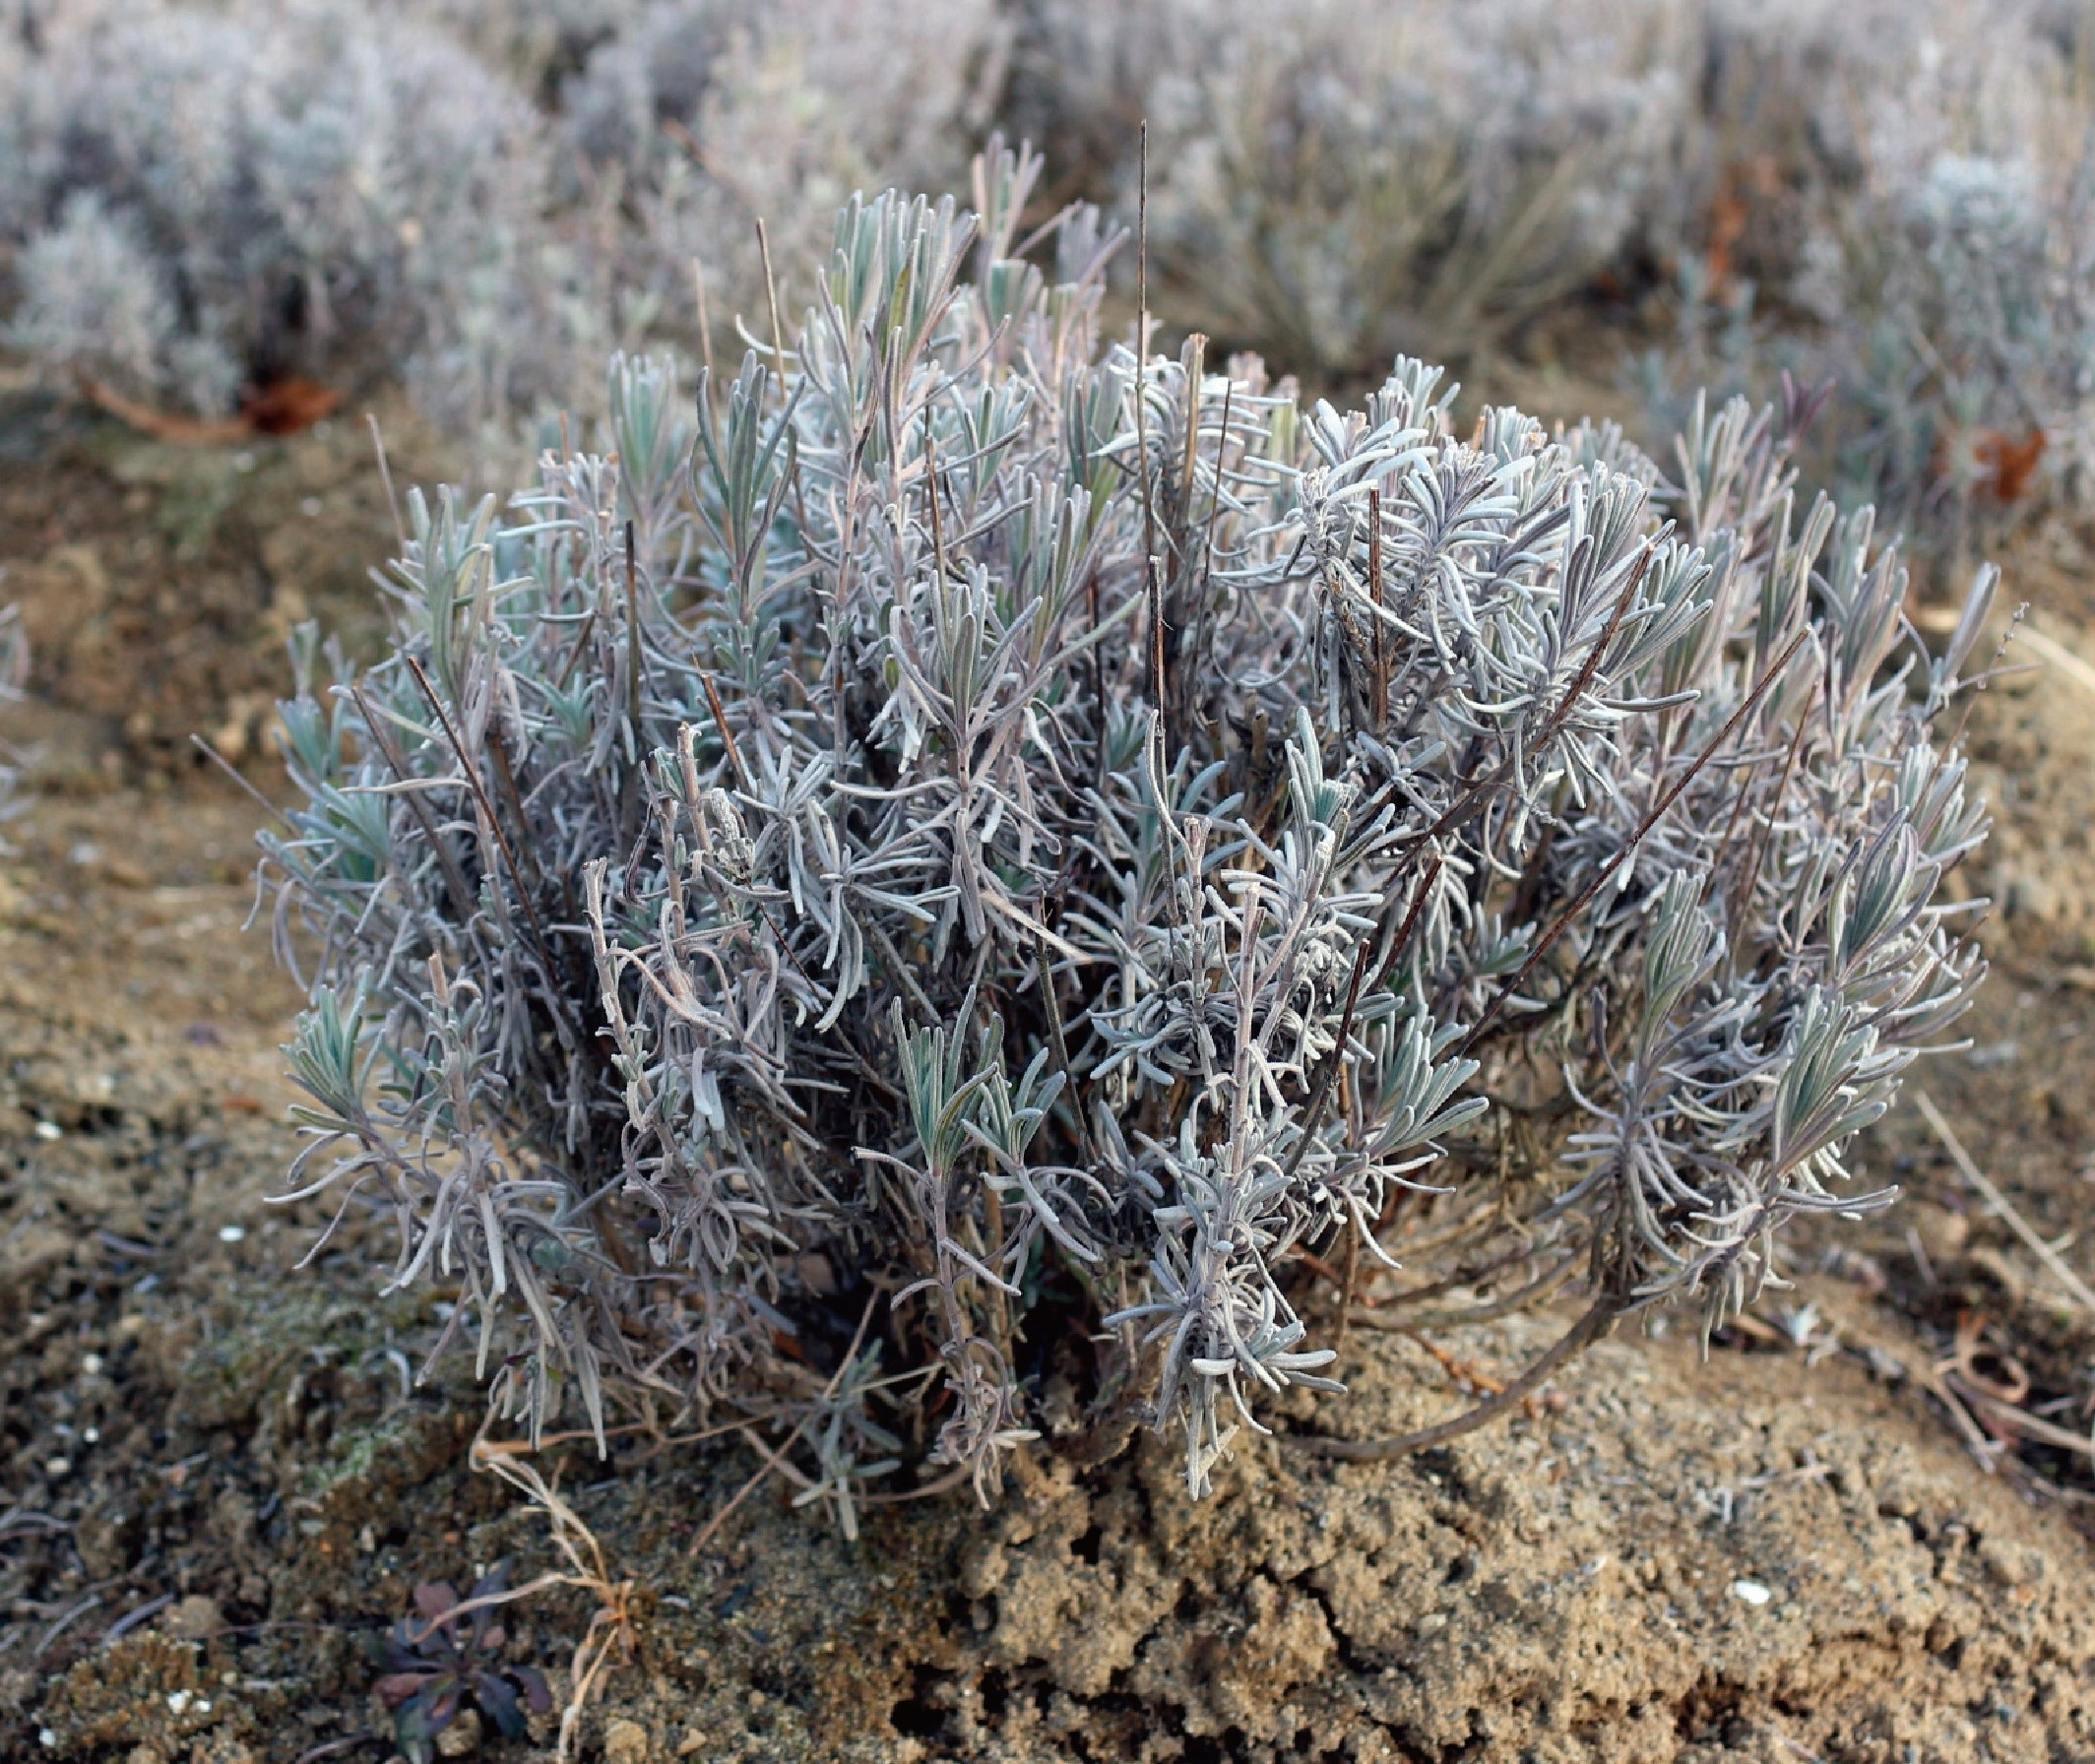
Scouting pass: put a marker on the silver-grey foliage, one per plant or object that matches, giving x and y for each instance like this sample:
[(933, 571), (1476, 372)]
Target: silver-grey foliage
[(921, 894), (13, 671), (484, 197)]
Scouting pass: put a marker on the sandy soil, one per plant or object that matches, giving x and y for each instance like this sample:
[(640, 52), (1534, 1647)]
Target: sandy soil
[(218, 1484)]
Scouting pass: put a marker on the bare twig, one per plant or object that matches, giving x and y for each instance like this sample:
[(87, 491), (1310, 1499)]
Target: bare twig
[(1587, 1329)]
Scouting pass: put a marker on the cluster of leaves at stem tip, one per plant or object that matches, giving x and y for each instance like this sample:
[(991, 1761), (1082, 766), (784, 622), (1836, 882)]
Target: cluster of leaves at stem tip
[(915, 898), (449, 1653)]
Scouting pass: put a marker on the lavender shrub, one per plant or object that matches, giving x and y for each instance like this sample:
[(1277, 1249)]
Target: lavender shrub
[(917, 898)]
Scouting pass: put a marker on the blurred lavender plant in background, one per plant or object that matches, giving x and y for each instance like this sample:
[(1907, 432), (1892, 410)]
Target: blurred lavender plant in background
[(483, 198), (206, 198), (1338, 194)]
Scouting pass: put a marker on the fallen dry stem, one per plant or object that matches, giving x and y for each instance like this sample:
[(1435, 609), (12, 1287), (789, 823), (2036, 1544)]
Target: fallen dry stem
[(1588, 1329)]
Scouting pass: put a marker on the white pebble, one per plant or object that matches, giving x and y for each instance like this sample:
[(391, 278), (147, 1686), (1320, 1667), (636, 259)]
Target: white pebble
[(50, 1130), (1751, 1591), (178, 1701), (231, 1233)]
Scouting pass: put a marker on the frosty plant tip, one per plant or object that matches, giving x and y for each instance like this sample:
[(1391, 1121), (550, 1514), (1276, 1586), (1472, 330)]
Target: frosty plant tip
[(936, 894)]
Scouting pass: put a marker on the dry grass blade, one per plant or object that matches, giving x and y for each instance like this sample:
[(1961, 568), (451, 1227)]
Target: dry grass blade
[(2060, 657), (2054, 1264), (611, 1635)]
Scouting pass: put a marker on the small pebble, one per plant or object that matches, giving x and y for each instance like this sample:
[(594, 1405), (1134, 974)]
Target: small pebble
[(50, 1130), (231, 1233), (1751, 1591), (91, 1363), (625, 1741), (58, 1467)]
